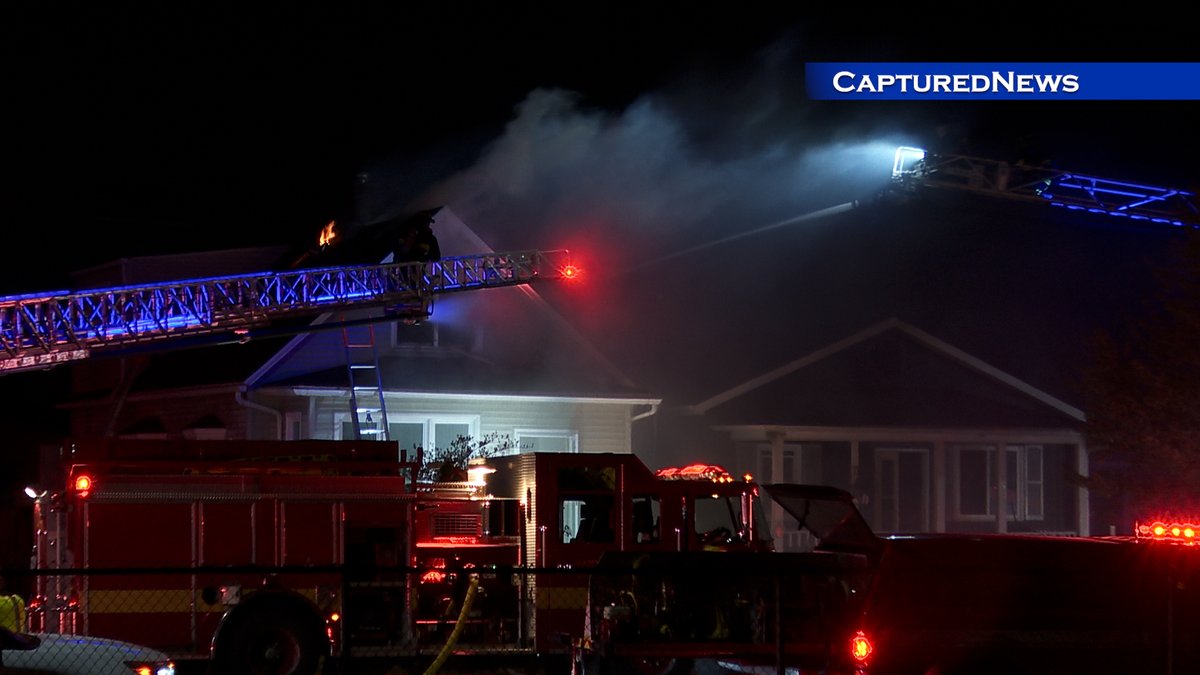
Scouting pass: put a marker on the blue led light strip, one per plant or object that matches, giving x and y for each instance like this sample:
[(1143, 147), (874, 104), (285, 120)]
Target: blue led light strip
[(39, 330), (1074, 191)]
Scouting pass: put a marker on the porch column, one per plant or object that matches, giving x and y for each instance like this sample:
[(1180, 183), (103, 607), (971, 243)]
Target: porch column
[(776, 439), (854, 466), (1001, 467), (1083, 516), (939, 486)]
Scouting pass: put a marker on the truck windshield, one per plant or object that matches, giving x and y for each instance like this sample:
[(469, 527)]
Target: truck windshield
[(719, 519)]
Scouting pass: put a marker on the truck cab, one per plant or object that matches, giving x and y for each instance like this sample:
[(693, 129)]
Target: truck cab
[(579, 507)]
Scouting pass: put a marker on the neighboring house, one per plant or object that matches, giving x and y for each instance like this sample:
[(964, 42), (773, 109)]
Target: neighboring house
[(495, 361), (911, 425)]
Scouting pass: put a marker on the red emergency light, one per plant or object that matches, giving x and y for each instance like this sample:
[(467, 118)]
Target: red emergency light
[(860, 647), (712, 472), (570, 272), (433, 577), (1168, 530), (83, 484)]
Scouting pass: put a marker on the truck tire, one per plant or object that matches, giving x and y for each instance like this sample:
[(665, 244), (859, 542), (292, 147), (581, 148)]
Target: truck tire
[(268, 639)]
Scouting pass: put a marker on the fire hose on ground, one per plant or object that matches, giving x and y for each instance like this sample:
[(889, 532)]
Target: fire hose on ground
[(458, 627)]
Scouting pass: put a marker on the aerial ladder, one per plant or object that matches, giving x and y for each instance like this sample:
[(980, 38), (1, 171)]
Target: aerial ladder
[(42, 330), (914, 168)]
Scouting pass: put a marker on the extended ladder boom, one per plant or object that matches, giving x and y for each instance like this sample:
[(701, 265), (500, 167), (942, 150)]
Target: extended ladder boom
[(39, 330), (1068, 189)]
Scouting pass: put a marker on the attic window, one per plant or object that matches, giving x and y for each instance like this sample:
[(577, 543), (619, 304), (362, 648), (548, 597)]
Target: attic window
[(207, 428), (425, 333), (147, 427)]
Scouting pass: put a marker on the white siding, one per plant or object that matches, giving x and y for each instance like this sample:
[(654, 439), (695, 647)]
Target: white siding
[(602, 427)]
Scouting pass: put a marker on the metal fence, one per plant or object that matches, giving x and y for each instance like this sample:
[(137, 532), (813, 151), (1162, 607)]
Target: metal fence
[(389, 621)]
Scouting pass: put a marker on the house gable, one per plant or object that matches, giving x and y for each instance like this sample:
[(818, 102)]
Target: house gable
[(890, 374), (464, 339)]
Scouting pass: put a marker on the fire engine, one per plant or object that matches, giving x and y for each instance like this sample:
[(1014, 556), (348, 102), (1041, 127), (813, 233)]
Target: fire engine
[(270, 555), (860, 604)]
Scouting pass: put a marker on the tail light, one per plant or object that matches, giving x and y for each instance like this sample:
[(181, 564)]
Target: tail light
[(860, 647)]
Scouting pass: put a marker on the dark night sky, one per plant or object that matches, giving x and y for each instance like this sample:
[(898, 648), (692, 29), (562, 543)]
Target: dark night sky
[(161, 129), (153, 128)]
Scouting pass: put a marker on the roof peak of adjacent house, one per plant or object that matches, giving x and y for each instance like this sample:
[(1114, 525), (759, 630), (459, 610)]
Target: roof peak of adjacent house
[(872, 331)]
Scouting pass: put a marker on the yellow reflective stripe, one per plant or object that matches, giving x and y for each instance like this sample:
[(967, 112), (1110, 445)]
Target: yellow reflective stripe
[(562, 597), (147, 601), (137, 601)]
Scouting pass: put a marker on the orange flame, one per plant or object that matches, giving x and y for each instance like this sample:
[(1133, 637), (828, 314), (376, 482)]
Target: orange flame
[(328, 234)]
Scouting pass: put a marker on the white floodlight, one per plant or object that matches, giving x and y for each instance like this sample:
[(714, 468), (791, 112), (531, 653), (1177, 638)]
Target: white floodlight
[(906, 160)]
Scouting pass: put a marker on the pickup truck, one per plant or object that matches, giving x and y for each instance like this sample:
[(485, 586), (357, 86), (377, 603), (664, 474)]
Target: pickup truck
[(922, 604)]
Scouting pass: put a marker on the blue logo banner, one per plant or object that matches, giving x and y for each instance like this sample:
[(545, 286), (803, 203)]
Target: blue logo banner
[(1003, 81)]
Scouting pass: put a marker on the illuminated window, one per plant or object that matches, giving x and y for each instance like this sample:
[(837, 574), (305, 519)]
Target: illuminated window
[(975, 482)]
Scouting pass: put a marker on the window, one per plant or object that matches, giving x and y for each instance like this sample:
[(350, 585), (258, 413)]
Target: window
[(975, 484), (292, 427), (413, 431), (424, 333), (644, 515), (369, 427), (587, 519), (791, 467), (586, 508), (791, 474), (718, 519), (543, 440), (408, 434), (1032, 481)]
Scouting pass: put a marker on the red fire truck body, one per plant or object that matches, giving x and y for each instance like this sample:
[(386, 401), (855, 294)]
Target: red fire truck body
[(862, 604), (583, 505), (292, 550), (323, 530)]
